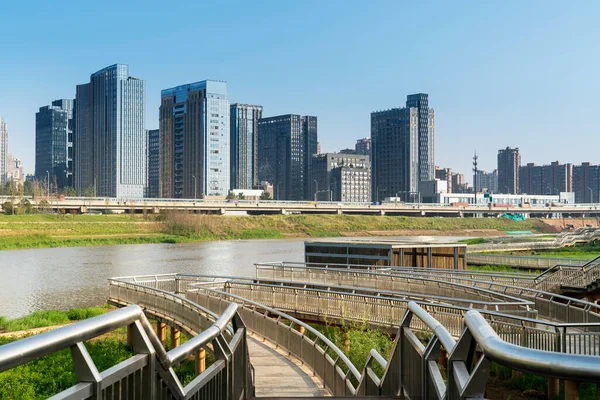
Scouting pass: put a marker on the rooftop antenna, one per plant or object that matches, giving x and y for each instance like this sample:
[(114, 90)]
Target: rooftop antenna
[(475, 178)]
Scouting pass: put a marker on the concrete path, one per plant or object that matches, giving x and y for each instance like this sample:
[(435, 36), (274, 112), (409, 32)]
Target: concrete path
[(277, 375)]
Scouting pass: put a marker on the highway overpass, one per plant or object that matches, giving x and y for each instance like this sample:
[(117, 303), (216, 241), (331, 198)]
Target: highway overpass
[(253, 207)]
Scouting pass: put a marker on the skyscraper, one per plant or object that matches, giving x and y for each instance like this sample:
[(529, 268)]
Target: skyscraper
[(402, 148), (586, 183), (509, 161), (3, 151), (286, 144), (153, 163), (54, 143), (426, 121), (363, 146), (244, 145), (394, 153), (194, 140), (342, 177), (110, 136)]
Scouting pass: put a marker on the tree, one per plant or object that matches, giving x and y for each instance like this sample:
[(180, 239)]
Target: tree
[(265, 195), (69, 191), (28, 188), (241, 196), (230, 195)]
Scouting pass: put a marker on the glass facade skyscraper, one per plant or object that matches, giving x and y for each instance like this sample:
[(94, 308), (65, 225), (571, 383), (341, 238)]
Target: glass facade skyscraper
[(54, 143), (110, 136), (194, 140), (154, 163), (286, 145), (244, 145), (3, 151), (402, 148)]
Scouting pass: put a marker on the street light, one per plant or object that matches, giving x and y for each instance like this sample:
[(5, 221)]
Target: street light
[(48, 185), (507, 190), (378, 190), (591, 194), (316, 188), (195, 186)]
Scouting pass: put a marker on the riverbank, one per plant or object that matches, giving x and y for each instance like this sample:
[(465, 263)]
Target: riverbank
[(39, 231)]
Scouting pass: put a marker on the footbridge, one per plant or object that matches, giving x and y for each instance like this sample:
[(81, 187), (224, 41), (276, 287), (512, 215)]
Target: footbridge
[(448, 326)]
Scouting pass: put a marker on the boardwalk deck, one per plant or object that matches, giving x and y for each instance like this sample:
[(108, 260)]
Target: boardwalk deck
[(277, 375)]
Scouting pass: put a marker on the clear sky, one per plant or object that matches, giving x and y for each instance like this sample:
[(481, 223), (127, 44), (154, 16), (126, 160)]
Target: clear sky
[(498, 73)]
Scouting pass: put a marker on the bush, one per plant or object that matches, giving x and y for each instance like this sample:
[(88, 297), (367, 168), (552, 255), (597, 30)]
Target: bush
[(78, 314), (7, 207)]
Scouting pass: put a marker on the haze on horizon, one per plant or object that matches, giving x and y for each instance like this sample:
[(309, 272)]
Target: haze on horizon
[(497, 73)]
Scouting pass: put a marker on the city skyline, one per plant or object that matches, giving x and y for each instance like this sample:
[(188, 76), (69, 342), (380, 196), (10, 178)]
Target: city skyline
[(530, 72)]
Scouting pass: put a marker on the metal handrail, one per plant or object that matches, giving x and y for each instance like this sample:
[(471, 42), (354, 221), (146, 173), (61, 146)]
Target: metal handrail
[(537, 362)]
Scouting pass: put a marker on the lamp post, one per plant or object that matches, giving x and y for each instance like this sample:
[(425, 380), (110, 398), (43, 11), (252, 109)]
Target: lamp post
[(316, 188), (507, 190), (195, 186), (591, 194), (378, 190), (48, 185)]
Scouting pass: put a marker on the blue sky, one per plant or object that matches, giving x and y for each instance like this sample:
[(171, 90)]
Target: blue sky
[(498, 73)]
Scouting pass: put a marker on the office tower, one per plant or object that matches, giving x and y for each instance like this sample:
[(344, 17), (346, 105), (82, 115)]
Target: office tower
[(426, 136), (402, 148), (348, 151), (586, 183), (244, 145), (3, 151), (394, 153), (486, 180), (363, 146), (286, 144), (342, 177), (546, 179), (110, 139), (194, 140), (54, 143), (509, 161), (153, 162)]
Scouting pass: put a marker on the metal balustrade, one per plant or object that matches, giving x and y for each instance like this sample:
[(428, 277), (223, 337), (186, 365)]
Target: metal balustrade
[(148, 374)]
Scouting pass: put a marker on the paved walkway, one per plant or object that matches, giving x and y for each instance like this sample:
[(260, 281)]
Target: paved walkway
[(276, 375)]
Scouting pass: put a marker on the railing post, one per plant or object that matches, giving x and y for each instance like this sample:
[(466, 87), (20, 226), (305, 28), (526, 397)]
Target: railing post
[(200, 361), (175, 337), (161, 332), (571, 390)]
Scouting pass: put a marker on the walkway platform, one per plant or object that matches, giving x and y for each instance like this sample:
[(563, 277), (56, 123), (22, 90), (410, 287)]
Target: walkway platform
[(277, 375)]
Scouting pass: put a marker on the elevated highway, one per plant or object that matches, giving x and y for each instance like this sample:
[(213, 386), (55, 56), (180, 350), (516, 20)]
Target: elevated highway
[(101, 204)]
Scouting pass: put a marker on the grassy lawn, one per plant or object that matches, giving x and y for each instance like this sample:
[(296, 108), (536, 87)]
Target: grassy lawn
[(583, 251), (42, 230)]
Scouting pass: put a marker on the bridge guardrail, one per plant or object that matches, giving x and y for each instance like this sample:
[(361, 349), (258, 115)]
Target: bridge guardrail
[(149, 372)]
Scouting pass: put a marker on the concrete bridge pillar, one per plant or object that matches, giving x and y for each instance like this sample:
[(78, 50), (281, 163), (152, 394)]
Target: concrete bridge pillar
[(339, 211), (175, 337), (200, 361), (381, 212), (571, 390), (161, 332), (553, 387)]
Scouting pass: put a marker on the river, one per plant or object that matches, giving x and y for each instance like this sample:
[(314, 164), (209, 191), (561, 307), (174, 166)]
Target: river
[(64, 278)]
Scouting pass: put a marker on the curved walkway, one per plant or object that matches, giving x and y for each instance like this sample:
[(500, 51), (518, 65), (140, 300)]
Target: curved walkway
[(277, 375)]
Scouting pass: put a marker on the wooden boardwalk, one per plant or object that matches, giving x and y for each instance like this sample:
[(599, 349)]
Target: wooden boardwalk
[(277, 375)]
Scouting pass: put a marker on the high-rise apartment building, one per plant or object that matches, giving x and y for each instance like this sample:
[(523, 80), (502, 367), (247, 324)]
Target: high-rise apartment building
[(394, 153), (363, 146), (194, 137), (15, 171), (426, 121), (402, 148), (3, 151), (153, 163), (444, 174), (244, 145), (586, 183), (509, 161), (286, 144), (110, 137), (546, 179), (342, 177), (54, 143), (486, 180)]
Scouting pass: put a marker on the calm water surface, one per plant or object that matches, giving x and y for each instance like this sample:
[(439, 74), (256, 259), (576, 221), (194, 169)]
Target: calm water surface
[(64, 278)]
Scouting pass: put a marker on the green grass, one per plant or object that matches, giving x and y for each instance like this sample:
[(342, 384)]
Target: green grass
[(42, 230), (40, 319), (582, 250)]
